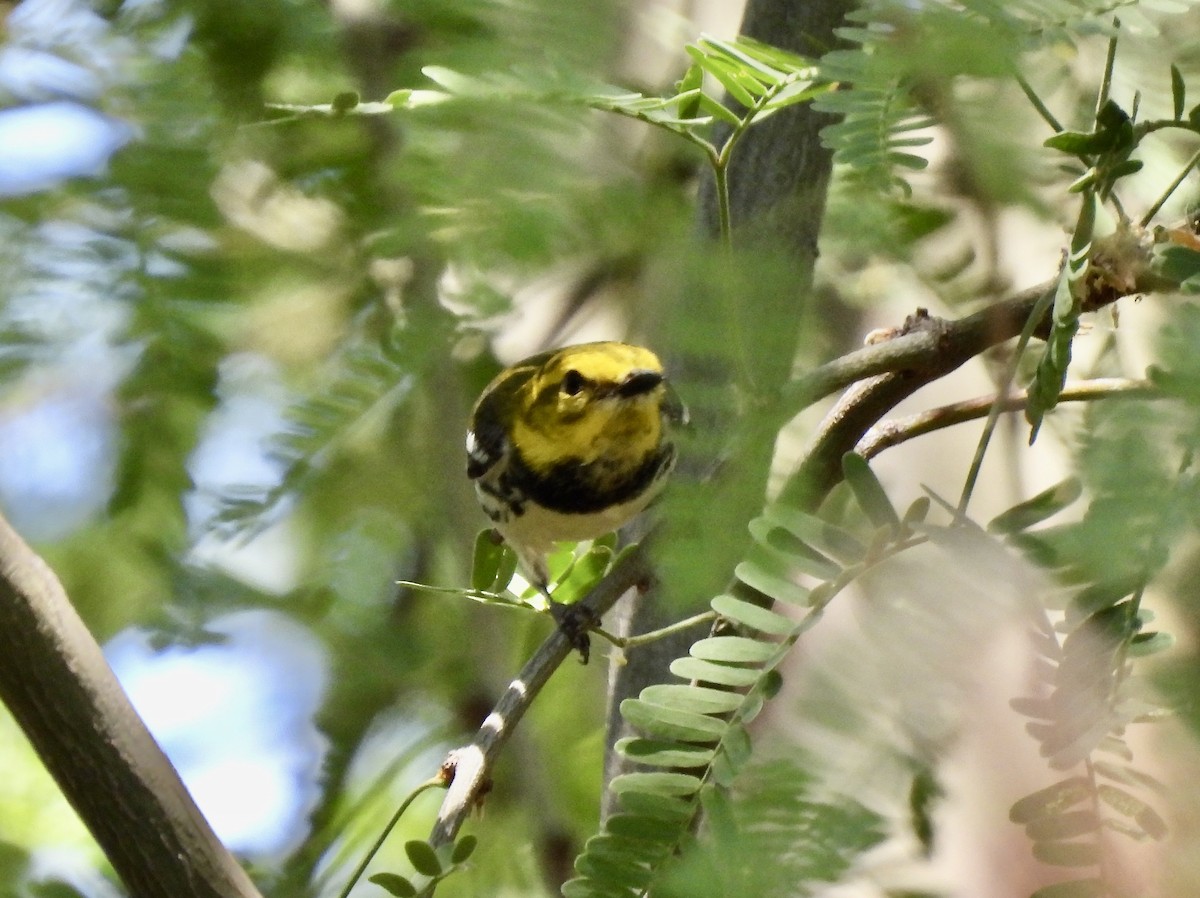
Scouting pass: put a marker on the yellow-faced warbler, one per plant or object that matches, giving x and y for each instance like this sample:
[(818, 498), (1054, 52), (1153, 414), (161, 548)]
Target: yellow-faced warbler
[(569, 445)]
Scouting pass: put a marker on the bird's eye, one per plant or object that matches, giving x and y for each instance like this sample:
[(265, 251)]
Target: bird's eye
[(572, 382)]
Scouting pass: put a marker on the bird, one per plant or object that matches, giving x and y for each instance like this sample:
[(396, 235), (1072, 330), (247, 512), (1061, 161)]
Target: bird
[(569, 445)]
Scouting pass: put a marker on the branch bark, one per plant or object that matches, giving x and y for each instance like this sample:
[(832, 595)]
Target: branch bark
[(64, 696), (779, 176)]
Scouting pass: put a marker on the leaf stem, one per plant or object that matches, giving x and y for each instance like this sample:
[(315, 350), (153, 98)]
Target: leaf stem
[(629, 642), (433, 783), (1042, 109), (894, 432), (1036, 314), (1109, 63), (1171, 188)]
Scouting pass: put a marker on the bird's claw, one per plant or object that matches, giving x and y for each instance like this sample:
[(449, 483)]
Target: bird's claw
[(574, 621)]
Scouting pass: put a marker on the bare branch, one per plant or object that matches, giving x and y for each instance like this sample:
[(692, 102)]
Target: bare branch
[(927, 348), (59, 688), (472, 764), (887, 434)]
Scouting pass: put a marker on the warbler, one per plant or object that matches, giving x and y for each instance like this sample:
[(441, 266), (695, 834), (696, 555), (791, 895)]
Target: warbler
[(569, 445)]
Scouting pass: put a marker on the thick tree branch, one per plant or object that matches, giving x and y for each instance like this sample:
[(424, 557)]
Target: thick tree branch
[(778, 181), (56, 683)]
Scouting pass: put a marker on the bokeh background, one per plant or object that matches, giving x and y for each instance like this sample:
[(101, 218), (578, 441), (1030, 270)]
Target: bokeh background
[(239, 345)]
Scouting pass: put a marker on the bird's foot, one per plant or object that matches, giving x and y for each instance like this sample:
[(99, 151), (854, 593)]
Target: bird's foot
[(574, 621)]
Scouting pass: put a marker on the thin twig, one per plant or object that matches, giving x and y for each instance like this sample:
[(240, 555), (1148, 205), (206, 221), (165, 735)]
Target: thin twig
[(472, 764), (433, 783), (887, 434), (1171, 188), (1045, 301), (1042, 109)]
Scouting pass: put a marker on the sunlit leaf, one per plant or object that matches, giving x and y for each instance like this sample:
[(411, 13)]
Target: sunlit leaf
[(690, 668), (734, 649), (1033, 511), (699, 699), (657, 753), (753, 616), (671, 723), (670, 784)]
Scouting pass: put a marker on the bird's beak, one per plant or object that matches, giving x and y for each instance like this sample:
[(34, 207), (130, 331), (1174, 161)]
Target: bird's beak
[(637, 383)]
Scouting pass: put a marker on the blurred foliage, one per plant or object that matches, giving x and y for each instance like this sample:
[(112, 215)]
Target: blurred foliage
[(270, 327)]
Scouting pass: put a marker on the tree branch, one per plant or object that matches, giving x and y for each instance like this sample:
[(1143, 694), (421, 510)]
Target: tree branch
[(927, 348), (64, 696), (472, 764), (887, 434)]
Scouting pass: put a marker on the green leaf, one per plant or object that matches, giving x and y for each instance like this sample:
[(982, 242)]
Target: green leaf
[(1178, 264), (917, 512), (664, 808), (1075, 888), (813, 535), (1111, 118), (1177, 93), (734, 82), (1070, 825), (669, 784), (1104, 594), (777, 587), (734, 649), (752, 705), (1037, 708), (617, 872), (1067, 854), (463, 849), (588, 888), (688, 91), (869, 492), (1033, 511), (486, 561), (671, 723), (772, 682), (690, 668), (657, 753), (583, 574), (699, 699), (736, 746), (423, 857), (608, 846), (1078, 143), (722, 772), (753, 616), (786, 552), (1054, 799), (1145, 644), (923, 796), (1051, 371), (1133, 807), (1122, 169), (641, 827), (394, 884), (1129, 775)]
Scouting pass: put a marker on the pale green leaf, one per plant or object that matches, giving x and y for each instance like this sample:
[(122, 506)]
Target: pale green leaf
[(753, 616)]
